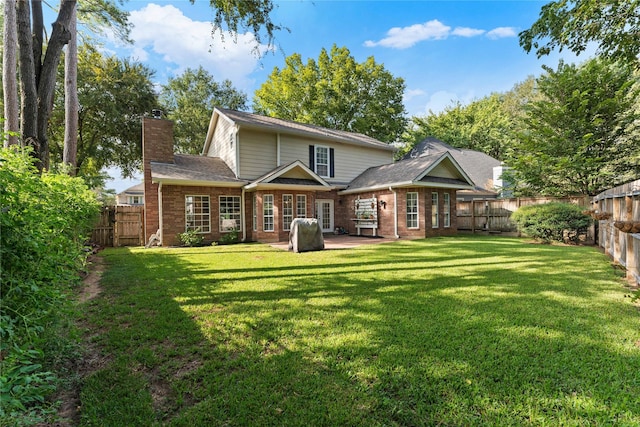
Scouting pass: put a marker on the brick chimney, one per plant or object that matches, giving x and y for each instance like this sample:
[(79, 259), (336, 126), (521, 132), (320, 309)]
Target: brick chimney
[(157, 146)]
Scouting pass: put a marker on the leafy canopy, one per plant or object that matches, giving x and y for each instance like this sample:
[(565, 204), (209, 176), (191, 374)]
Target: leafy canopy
[(336, 92), (580, 138), (614, 25), (190, 99), (114, 94)]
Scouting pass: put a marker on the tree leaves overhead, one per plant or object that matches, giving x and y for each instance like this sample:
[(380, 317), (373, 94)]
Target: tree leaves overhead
[(113, 94), (336, 92), (582, 137), (190, 100), (614, 25)]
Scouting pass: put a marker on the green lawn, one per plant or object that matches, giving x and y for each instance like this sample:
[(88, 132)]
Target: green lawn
[(445, 331)]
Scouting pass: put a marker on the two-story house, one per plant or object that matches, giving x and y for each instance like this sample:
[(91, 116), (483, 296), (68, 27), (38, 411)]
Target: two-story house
[(256, 174)]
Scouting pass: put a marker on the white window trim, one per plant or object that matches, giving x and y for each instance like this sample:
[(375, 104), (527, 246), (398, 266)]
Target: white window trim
[(446, 200), (315, 155), (255, 212), (264, 214), (286, 225), (417, 212), (186, 213), (239, 219), (303, 196), (435, 214)]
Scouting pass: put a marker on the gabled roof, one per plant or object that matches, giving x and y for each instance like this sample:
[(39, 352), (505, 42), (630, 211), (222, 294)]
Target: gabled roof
[(135, 189), (272, 124), (478, 165), (195, 170), (418, 172), (294, 176)]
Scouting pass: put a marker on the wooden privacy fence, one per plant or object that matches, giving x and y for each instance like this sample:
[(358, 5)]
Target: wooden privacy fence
[(494, 215), (618, 213), (119, 226)]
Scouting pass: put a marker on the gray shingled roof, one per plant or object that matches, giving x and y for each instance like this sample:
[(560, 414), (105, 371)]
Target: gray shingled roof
[(403, 172), (479, 166), (194, 168), (289, 127)]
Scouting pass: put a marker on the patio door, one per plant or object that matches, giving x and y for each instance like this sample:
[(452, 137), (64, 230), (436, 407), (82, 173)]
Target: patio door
[(324, 214)]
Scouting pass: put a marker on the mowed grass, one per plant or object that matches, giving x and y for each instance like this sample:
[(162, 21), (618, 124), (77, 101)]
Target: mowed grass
[(445, 331)]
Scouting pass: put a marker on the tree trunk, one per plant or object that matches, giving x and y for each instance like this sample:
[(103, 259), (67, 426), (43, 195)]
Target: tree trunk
[(9, 71), (69, 155), (38, 78), (28, 89)]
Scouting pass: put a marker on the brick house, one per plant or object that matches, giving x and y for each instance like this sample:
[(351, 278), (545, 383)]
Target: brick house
[(256, 174)]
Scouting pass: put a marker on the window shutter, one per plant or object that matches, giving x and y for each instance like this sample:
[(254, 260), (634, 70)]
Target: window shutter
[(312, 156), (331, 168)]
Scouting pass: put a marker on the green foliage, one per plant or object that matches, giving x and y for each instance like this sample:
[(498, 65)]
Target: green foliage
[(113, 94), (612, 24), (562, 222), (487, 125), (191, 238), (230, 237), (190, 99), (44, 221), (336, 92), (579, 138)]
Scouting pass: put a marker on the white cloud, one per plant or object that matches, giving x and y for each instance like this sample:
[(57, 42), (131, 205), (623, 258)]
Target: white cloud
[(182, 42), (412, 93), (467, 32), (440, 100), (501, 32), (402, 38)]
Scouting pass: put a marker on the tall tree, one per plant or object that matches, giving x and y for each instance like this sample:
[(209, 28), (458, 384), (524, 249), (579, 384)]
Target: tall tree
[(9, 75), (71, 106), (487, 124), (38, 69), (336, 92), (113, 95), (614, 25), (576, 140), (190, 99)]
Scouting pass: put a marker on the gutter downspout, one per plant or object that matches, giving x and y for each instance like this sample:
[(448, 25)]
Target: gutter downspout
[(160, 214), (242, 217), (395, 212)]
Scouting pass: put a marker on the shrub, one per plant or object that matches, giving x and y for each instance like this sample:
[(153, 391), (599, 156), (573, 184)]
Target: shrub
[(191, 238), (561, 222), (44, 222), (229, 238)]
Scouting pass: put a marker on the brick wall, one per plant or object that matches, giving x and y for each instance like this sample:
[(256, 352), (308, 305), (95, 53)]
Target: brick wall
[(157, 145)]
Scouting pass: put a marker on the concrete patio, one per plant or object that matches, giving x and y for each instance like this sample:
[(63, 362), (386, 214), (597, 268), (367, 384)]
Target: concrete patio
[(342, 241)]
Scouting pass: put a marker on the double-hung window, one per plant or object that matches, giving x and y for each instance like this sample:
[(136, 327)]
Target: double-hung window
[(197, 214), (301, 205), (287, 211), (412, 210), (435, 217), (255, 212), (267, 212), (446, 201), (322, 161), (230, 214)]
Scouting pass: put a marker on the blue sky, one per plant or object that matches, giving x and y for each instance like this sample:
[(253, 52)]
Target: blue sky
[(445, 51)]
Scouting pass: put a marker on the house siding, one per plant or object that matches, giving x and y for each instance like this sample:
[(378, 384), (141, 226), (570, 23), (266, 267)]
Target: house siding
[(258, 153), (350, 160), (221, 146)]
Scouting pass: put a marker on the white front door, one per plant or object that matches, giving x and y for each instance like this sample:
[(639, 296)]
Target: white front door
[(324, 214)]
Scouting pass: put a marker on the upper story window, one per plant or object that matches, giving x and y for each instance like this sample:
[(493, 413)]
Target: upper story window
[(321, 160), (136, 200)]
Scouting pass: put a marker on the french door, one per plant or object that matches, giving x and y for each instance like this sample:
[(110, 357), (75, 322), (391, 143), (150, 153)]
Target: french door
[(324, 214)]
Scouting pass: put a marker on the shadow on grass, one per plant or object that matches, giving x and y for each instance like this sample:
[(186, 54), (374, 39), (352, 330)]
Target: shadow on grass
[(460, 331)]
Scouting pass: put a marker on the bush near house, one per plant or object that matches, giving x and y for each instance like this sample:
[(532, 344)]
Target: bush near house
[(561, 222), (44, 221)]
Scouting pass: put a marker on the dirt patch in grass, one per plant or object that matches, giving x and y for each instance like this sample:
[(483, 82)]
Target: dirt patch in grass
[(92, 359)]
